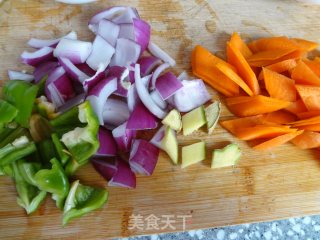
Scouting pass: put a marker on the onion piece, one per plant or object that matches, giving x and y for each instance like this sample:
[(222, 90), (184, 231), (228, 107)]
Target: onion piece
[(147, 64), (157, 138), (157, 73), (102, 53), (76, 1), (167, 85), (132, 97), (43, 70), (124, 177), (127, 52), (122, 75), (39, 43), (143, 157), (36, 58), (15, 75), (108, 146), (115, 112), (145, 96), (123, 137), (84, 67), (109, 31), (156, 51), (72, 103), (76, 51), (72, 70), (58, 82), (158, 99), (126, 16), (107, 168), (141, 33), (99, 94), (93, 81), (192, 95), (108, 13), (126, 31), (141, 118)]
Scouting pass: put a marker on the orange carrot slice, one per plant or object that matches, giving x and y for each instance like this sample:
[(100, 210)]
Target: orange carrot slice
[(310, 96), (296, 107), (272, 43), (279, 117), (305, 44), (262, 131), (249, 106), (244, 70), (238, 43), (307, 140), (311, 127), (234, 77), (277, 141), (204, 67), (309, 114), (279, 86), (305, 122), (280, 67), (313, 65), (234, 124), (302, 74)]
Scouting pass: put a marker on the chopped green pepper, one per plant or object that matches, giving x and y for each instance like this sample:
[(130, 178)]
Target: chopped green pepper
[(9, 135), (42, 85), (6, 170), (72, 166), (46, 151), (81, 200), (60, 149), (28, 170), (30, 197), (7, 112), (40, 128), (44, 107), (22, 95), (82, 142), (54, 181), (18, 149)]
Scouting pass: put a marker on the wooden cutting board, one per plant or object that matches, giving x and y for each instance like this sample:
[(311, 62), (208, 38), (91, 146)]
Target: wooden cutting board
[(264, 186)]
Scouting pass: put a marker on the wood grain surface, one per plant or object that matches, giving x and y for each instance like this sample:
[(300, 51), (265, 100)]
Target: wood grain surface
[(282, 183)]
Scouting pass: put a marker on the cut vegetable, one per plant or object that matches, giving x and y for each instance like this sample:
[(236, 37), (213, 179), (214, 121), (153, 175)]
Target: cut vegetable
[(173, 120), (141, 119), (228, 156), (126, 53), (108, 147), (212, 115), (123, 137), (307, 140), (39, 43), (310, 96), (193, 120), (115, 112), (143, 157), (169, 144), (124, 177), (193, 153), (36, 58), (302, 74), (15, 75), (167, 85)]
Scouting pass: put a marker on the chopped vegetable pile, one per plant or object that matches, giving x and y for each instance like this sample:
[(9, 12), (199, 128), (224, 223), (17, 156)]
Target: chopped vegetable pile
[(271, 85), (85, 102)]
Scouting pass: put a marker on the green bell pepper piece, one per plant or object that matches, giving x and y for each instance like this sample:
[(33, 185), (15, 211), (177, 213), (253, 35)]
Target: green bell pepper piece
[(54, 181), (30, 197), (22, 95), (28, 170), (60, 149), (72, 166), (82, 142), (6, 170), (46, 151), (82, 200), (18, 149), (12, 134), (7, 112), (42, 85)]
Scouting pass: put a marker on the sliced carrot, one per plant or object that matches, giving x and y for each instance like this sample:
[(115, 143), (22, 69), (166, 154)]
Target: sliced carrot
[(313, 65), (279, 86), (233, 124), (309, 114), (262, 131), (234, 77), (305, 44), (302, 74), (280, 67), (307, 140), (250, 106), (239, 44), (296, 107), (305, 122), (272, 43), (261, 59), (310, 96), (317, 59), (277, 141), (204, 67), (311, 127), (244, 70), (279, 117)]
